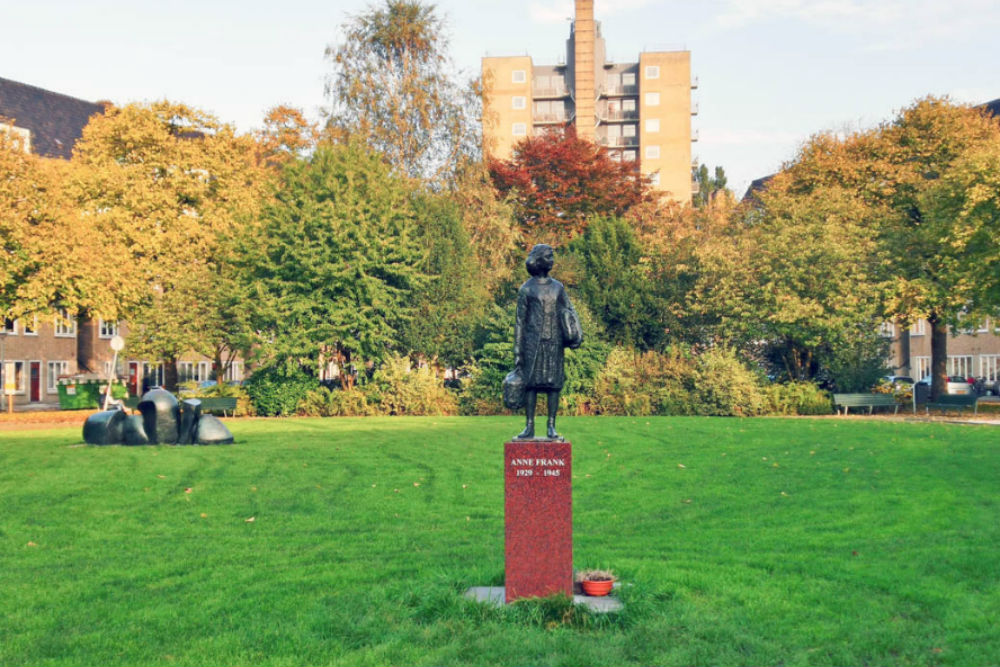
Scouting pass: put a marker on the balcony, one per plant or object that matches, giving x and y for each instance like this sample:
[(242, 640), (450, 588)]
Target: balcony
[(619, 91), (618, 116), (554, 92), (618, 142), (550, 118)]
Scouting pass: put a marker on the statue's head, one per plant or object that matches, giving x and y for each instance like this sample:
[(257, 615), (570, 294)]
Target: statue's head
[(540, 260)]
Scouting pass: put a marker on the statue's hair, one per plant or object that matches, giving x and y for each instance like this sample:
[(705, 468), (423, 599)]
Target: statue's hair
[(534, 261)]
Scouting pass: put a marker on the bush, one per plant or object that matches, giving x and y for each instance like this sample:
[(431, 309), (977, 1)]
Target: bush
[(275, 391), (399, 390), (797, 398), (327, 402), (677, 383), (726, 387)]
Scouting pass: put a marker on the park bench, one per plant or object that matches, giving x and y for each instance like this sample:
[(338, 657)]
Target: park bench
[(221, 404), (956, 401), (870, 401)]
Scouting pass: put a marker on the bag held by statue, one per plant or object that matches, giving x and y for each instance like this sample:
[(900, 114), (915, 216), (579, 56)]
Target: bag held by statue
[(513, 390), (572, 332)]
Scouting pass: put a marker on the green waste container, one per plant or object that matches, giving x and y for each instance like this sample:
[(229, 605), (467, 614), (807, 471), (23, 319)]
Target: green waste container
[(87, 394)]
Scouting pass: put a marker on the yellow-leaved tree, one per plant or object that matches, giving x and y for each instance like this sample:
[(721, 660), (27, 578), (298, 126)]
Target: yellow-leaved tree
[(165, 187)]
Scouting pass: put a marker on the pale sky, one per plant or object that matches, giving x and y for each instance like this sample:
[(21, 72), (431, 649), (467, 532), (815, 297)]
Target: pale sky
[(770, 72)]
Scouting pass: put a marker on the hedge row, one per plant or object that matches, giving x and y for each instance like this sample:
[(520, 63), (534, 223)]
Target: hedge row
[(628, 382)]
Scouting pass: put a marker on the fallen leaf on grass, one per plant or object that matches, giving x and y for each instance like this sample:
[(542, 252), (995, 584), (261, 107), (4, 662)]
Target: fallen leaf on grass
[(937, 650), (31, 544), (416, 484), (465, 486), (162, 476), (775, 465), (204, 516), (686, 501), (188, 490), (250, 520), (682, 466), (784, 494)]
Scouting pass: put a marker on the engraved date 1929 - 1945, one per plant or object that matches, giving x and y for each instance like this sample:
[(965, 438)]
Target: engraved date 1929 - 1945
[(529, 467)]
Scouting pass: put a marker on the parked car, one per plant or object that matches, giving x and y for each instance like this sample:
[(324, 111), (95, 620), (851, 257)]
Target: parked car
[(956, 384), (898, 382)]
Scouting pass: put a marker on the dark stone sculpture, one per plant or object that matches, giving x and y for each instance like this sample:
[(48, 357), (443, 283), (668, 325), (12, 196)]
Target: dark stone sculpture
[(134, 432), (211, 431), (159, 415), (163, 421), (105, 427), (546, 324), (190, 412)]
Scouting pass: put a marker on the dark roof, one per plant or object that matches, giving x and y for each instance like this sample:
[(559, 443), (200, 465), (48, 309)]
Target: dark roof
[(757, 185), (56, 121), (993, 107)]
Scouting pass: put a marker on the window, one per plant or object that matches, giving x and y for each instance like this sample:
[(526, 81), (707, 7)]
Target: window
[(989, 367), (56, 369), (984, 327), (13, 371), (652, 99), (652, 71), (235, 372), (519, 129), (652, 152), (628, 130), (629, 156), (654, 178), (518, 102), (107, 329), (21, 136), (887, 330), (652, 124), (65, 323), (31, 329), (628, 105), (10, 327), (960, 364), (152, 375), (518, 76), (185, 371), (918, 329), (921, 367), (628, 78)]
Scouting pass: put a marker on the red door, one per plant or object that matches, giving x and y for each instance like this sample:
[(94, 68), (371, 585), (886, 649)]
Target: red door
[(133, 378), (35, 375)]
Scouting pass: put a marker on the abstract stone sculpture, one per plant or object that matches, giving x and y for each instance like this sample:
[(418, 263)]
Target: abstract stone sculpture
[(546, 324), (211, 431), (105, 427), (134, 431), (159, 415), (163, 421)]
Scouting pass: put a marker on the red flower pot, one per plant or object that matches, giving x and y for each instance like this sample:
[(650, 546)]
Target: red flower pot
[(597, 588)]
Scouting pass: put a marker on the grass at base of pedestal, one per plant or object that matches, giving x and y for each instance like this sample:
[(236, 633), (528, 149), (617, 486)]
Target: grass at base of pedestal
[(764, 541)]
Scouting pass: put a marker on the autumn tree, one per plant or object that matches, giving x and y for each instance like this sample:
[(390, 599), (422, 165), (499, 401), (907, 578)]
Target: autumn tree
[(164, 186), (393, 86), (796, 284), (558, 181), (52, 257), (334, 269), (285, 136), (893, 170)]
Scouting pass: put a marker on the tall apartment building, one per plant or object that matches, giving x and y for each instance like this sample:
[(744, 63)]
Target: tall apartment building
[(639, 111)]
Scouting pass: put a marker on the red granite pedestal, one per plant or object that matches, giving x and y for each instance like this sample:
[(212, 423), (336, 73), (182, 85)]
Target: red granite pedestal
[(538, 518)]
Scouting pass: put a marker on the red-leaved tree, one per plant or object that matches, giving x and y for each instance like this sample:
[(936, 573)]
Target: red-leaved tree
[(558, 181)]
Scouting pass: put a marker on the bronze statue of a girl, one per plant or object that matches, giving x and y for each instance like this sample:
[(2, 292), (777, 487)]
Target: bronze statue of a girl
[(546, 324)]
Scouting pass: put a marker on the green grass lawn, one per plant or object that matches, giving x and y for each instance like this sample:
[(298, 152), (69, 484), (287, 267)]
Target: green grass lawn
[(350, 541)]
